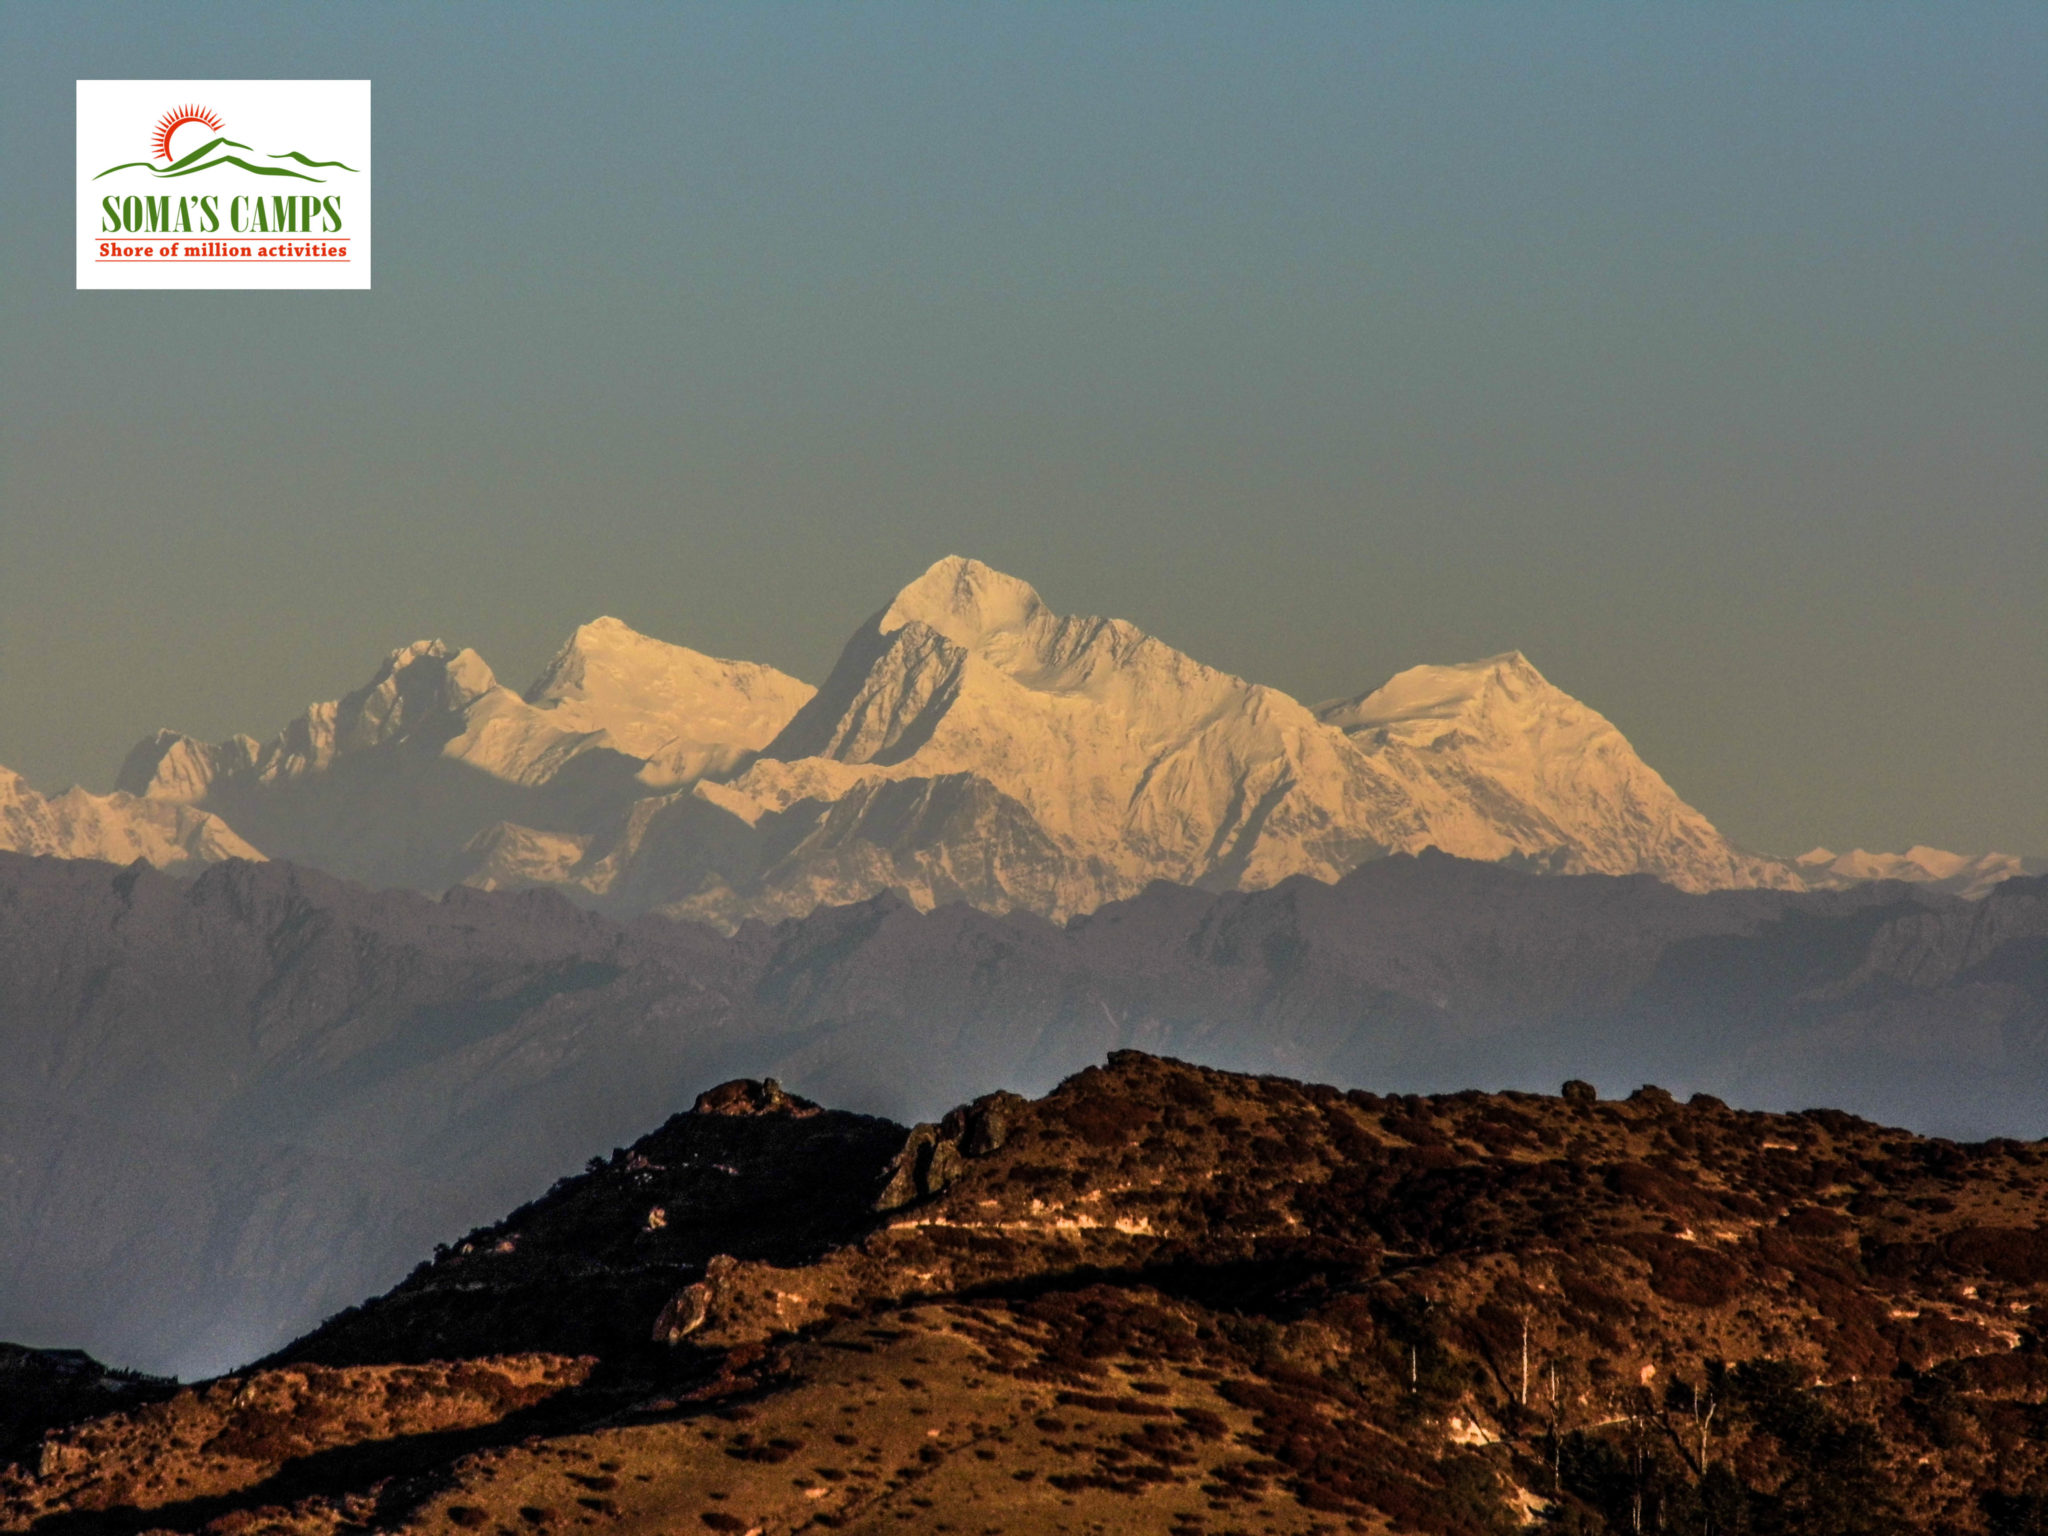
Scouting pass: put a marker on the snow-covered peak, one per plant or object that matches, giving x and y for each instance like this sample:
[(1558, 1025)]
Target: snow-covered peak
[(119, 828), (407, 657), (1939, 862), (1506, 682), (14, 789), (418, 683), (182, 770), (965, 601), (1001, 623), (687, 713), (1508, 765), (425, 697), (1918, 863), (1958, 873), (1136, 759)]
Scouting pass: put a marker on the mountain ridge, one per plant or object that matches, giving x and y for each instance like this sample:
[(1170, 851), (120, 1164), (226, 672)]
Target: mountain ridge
[(116, 828), (244, 1098), (969, 744), (1160, 1297)]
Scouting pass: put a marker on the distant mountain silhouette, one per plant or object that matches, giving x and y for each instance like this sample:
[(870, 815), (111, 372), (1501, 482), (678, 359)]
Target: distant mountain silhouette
[(293, 154)]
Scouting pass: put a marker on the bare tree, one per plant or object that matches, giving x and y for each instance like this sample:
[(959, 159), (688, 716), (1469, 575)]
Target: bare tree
[(1556, 1434), (1525, 1357)]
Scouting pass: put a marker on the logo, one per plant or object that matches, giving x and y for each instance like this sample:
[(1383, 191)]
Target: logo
[(239, 184), (214, 152)]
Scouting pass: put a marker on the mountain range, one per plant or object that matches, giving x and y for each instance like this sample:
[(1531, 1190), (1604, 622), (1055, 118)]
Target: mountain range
[(119, 828), (281, 1013), (1823, 869), (237, 1101), (970, 745)]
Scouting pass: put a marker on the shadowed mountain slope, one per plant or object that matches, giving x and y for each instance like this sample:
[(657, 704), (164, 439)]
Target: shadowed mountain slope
[(236, 1103)]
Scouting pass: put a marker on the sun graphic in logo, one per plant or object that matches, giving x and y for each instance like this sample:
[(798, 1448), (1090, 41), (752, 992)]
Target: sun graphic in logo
[(175, 119)]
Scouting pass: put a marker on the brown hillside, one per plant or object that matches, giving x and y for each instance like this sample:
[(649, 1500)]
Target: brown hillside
[(1163, 1298)]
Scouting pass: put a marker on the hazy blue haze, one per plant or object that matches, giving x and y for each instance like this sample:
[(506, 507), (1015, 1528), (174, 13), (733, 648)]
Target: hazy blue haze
[(1701, 352)]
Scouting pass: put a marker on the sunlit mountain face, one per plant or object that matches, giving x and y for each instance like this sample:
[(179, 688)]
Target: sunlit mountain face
[(969, 746)]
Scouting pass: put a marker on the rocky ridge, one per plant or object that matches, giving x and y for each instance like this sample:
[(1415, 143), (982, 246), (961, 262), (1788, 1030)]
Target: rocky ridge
[(1162, 1298)]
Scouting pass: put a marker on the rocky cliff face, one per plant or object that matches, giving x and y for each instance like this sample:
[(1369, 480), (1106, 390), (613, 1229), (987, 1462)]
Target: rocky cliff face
[(1161, 1298)]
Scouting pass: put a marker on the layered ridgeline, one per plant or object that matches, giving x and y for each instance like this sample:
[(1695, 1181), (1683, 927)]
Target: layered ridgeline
[(236, 1102), (970, 745)]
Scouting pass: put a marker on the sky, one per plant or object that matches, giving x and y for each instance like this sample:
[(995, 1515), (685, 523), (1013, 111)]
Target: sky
[(1698, 352)]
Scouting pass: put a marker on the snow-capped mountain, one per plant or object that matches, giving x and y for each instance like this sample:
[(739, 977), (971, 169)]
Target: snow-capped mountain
[(118, 828), (389, 783), (969, 745), (424, 697), (1074, 759), (1503, 765), (682, 712), (1957, 873), (434, 772), (972, 744)]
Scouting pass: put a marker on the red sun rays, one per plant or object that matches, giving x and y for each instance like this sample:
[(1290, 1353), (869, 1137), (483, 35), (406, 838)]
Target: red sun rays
[(175, 119)]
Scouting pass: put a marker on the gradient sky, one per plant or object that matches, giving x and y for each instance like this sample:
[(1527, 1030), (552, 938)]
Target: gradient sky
[(1700, 352)]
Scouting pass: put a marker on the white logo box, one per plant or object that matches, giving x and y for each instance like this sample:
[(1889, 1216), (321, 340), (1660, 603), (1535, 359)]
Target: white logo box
[(223, 184)]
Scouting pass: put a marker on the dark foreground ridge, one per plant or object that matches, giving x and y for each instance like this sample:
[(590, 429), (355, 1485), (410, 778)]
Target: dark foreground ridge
[(42, 1387), (1163, 1298)]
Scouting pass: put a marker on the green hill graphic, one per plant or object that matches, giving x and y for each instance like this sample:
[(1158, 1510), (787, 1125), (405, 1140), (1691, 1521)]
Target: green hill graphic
[(293, 154), (197, 160)]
